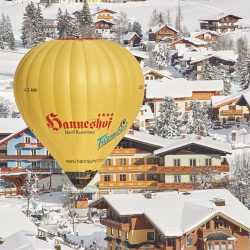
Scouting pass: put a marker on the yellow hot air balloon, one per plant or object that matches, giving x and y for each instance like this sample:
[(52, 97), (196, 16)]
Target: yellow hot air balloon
[(79, 97)]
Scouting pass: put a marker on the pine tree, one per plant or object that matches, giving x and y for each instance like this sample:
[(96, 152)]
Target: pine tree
[(199, 122), (9, 35), (5, 109), (130, 27), (219, 72), (85, 21), (240, 181), (137, 28), (168, 123), (178, 18), (121, 27), (154, 19), (39, 22), (169, 19), (245, 73), (61, 26), (1, 33)]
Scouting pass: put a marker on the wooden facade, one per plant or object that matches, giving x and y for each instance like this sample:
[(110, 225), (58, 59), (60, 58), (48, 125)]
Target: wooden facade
[(138, 168), (136, 232), (220, 24), (161, 33), (208, 36)]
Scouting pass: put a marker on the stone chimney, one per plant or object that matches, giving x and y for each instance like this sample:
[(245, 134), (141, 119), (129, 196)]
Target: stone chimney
[(219, 202), (233, 135)]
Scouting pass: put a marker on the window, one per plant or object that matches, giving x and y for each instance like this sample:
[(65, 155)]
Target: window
[(138, 162), (151, 177), (232, 107), (18, 152), (150, 236), (106, 177), (223, 246), (110, 247), (217, 246), (19, 164), (126, 235), (209, 246), (122, 161), (111, 231), (170, 242), (33, 164), (27, 139), (230, 246), (177, 178), (122, 177), (119, 233), (192, 162), (216, 223), (189, 242), (107, 162), (177, 162), (208, 162), (193, 178), (139, 177), (152, 161), (208, 225), (33, 151)]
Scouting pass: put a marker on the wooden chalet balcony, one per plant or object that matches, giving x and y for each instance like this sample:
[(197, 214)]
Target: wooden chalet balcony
[(30, 145), (26, 157), (227, 231), (124, 151), (231, 112), (115, 224), (128, 168), (176, 185), (104, 17), (191, 169), (127, 184)]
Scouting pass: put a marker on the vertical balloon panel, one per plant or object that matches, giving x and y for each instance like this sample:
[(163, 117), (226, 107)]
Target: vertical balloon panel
[(79, 97)]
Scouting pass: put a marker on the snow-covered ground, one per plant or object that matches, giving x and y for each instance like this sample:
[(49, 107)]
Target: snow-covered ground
[(52, 204)]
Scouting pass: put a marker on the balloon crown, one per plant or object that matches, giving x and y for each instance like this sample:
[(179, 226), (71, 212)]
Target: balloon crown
[(80, 39)]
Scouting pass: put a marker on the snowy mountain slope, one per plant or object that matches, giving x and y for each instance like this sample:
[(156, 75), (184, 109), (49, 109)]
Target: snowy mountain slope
[(193, 10)]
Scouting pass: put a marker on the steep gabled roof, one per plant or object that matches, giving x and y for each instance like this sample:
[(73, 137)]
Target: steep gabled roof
[(105, 10), (218, 17), (175, 213), (159, 27), (193, 40), (206, 142), (129, 36)]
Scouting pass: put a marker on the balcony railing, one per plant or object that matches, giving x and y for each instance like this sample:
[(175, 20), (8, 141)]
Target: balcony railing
[(216, 230), (30, 145), (26, 157), (104, 17), (124, 151), (114, 224), (129, 168), (232, 112), (127, 184), (176, 185), (192, 169)]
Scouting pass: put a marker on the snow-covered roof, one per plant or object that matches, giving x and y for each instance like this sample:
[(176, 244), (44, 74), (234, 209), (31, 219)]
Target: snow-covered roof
[(129, 36), (194, 55), (146, 138), (27, 240), (105, 10), (140, 54), (159, 27), (217, 17), (212, 32), (180, 88), (175, 213), (226, 55), (218, 101), (207, 142), (11, 125), (193, 40), (12, 220), (164, 73)]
